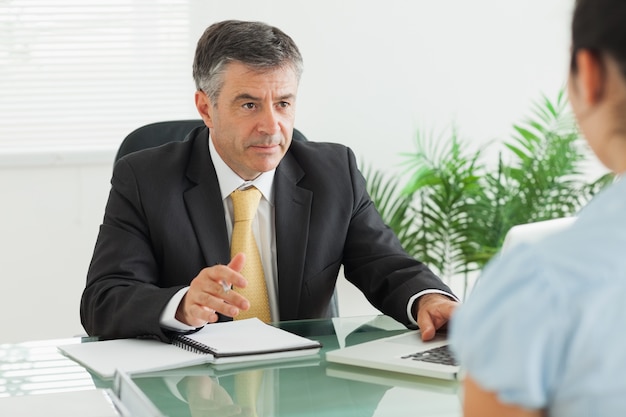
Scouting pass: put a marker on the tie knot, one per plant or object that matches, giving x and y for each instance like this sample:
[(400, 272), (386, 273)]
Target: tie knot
[(245, 203)]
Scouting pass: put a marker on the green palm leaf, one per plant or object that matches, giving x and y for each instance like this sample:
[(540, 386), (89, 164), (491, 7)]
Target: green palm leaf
[(453, 212)]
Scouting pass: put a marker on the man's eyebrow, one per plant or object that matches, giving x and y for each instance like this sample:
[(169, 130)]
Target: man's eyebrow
[(287, 97), (250, 97), (245, 96)]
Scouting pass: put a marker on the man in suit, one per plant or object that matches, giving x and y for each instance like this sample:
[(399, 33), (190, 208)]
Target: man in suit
[(162, 260)]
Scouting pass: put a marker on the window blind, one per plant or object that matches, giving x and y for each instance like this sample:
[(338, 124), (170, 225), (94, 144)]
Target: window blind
[(86, 73)]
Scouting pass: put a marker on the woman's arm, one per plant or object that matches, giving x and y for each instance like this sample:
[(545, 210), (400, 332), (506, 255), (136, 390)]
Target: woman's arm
[(480, 403)]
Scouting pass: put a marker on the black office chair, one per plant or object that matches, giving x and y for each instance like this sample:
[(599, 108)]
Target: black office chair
[(156, 134), (159, 133)]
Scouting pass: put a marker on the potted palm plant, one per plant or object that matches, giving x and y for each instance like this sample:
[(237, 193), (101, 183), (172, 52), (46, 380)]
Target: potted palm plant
[(455, 208)]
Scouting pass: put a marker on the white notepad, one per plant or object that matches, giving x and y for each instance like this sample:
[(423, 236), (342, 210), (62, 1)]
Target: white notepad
[(218, 343)]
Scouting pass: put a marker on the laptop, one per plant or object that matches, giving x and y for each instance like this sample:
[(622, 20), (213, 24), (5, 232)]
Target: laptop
[(406, 353), (392, 379), (533, 232)]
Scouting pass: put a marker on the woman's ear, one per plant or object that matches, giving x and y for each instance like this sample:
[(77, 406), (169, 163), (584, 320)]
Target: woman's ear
[(590, 76)]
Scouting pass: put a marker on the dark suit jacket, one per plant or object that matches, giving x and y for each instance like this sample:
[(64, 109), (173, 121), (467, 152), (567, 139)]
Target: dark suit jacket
[(164, 222)]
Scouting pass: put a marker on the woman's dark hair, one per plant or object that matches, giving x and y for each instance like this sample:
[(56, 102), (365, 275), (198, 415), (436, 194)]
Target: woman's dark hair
[(600, 27)]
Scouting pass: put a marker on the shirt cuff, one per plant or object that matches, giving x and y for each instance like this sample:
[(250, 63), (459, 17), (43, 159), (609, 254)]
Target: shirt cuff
[(412, 300), (168, 316)]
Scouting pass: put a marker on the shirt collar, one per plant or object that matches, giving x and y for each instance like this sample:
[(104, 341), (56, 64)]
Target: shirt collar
[(229, 181)]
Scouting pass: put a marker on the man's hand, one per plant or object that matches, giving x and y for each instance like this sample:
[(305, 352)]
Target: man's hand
[(207, 295), (433, 311), (206, 398)]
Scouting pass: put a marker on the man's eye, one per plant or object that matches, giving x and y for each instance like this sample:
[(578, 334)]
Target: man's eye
[(248, 106), (284, 104)]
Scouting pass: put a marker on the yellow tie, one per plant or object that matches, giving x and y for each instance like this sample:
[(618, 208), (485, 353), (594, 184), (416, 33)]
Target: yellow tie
[(247, 386), (245, 204)]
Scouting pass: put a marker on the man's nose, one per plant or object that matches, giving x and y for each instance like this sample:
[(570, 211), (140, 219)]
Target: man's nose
[(268, 122)]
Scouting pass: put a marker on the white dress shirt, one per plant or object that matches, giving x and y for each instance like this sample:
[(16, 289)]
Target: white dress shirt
[(262, 228)]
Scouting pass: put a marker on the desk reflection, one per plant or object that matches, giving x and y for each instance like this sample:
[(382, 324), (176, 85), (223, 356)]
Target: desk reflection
[(294, 390), (299, 387), (303, 387), (207, 398)]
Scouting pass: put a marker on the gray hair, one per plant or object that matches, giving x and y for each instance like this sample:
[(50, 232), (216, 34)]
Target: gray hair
[(255, 44)]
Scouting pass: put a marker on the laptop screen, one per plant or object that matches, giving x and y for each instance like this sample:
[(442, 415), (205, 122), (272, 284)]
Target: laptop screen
[(533, 232)]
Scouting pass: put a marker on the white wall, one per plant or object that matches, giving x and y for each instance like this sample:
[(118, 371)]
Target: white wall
[(49, 220), (375, 73)]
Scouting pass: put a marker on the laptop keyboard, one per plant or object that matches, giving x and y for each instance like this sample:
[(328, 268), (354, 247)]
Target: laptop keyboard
[(441, 355)]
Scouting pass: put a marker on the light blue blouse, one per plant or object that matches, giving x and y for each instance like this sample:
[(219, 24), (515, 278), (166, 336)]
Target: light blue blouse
[(545, 326)]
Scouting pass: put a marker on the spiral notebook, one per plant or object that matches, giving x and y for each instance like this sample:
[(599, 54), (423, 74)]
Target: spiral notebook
[(218, 343), (245, 340)]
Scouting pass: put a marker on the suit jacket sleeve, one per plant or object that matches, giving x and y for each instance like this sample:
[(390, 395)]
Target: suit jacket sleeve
[(341, 226), (163, 223), (375, 261), (122, 297)]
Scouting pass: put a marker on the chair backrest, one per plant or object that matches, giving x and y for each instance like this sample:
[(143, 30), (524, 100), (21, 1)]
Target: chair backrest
[(159, 133), (156, 134)]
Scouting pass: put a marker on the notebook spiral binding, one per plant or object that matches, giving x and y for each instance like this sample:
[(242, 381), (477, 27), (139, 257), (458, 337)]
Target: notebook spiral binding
[(191, 345)]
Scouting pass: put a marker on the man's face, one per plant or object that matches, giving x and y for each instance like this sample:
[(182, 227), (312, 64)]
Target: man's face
[(252, 122)]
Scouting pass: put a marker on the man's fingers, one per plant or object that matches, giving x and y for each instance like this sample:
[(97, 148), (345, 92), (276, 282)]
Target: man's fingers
[(209, 293), (223, 274), (201, 315), (236, 264), (228, 304), (216, 281), (427, 328), (434, 311)]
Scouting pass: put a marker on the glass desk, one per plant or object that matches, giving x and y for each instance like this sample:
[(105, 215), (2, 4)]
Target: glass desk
[(304, 387)]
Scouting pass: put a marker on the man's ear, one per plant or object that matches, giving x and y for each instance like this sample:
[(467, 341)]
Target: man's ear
[(590, 76), (203, 104)]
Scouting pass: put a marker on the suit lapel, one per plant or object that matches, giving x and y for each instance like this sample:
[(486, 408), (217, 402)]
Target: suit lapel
[(204, 203), (293, 211)]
